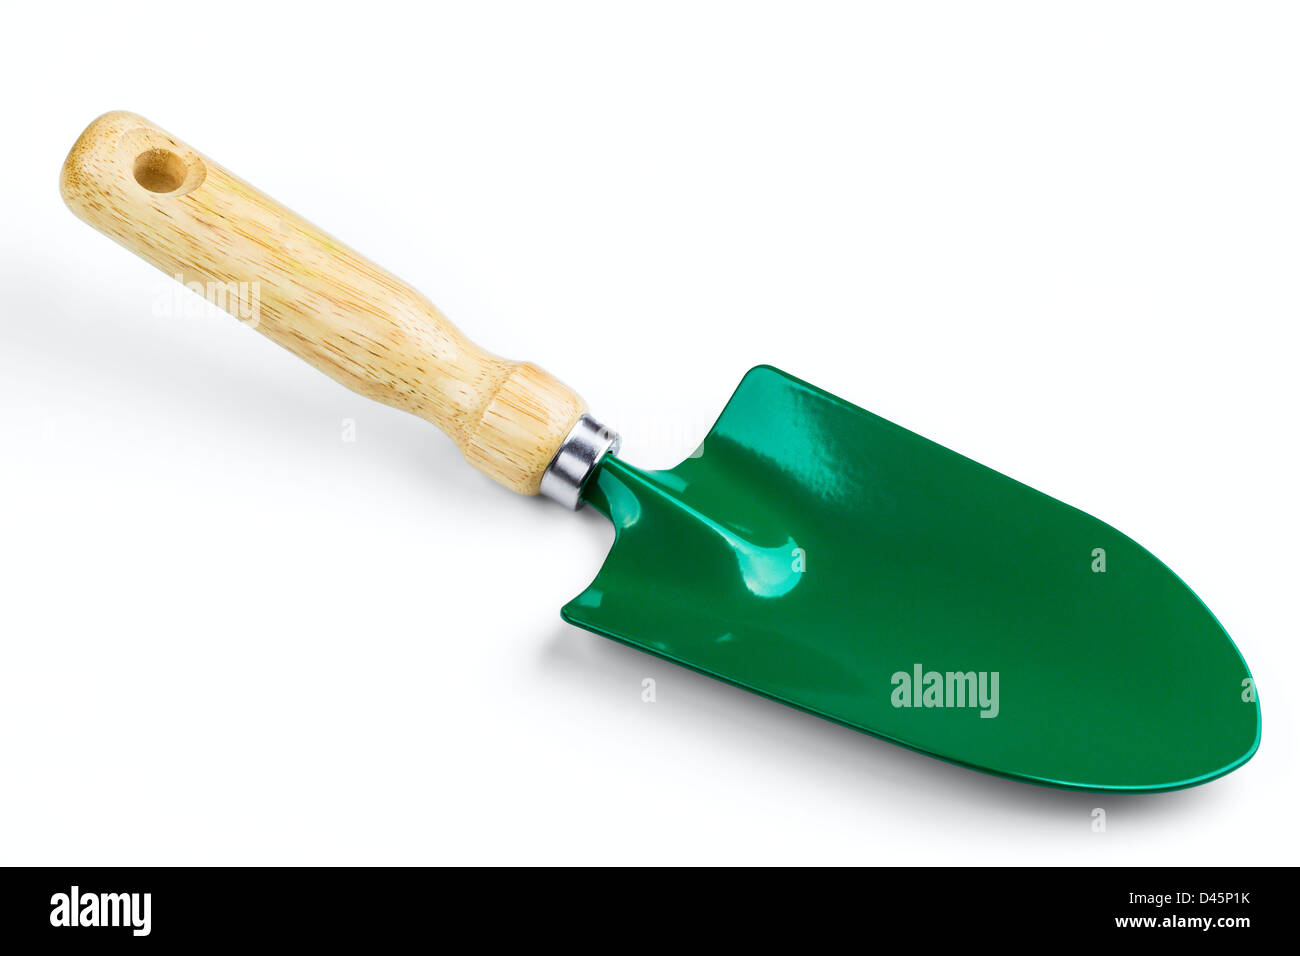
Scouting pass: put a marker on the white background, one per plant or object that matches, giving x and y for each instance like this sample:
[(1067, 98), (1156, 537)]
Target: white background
[(1061, 239)]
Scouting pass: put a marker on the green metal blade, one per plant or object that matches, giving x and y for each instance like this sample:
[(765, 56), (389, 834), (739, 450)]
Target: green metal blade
[(817, 554)]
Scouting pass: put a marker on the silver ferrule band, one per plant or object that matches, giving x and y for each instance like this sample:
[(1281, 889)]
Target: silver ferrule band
[(589, 441)]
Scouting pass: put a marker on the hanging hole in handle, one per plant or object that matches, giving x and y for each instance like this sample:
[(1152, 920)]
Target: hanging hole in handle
[(159, 164), (160, 170)]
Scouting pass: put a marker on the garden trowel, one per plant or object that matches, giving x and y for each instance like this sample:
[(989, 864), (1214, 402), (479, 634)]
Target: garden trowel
[(808, 551)]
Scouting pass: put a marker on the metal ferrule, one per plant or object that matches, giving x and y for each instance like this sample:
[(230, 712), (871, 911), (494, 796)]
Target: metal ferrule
[(576, 461)]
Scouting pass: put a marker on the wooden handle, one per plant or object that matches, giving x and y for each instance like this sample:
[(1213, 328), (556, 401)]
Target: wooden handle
[(352, 320)]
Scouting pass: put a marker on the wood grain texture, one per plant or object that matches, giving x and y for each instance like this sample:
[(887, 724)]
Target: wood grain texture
[(310, 293)]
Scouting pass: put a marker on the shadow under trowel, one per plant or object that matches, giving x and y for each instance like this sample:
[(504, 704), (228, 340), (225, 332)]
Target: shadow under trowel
[(733, 719), (108, 350)]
